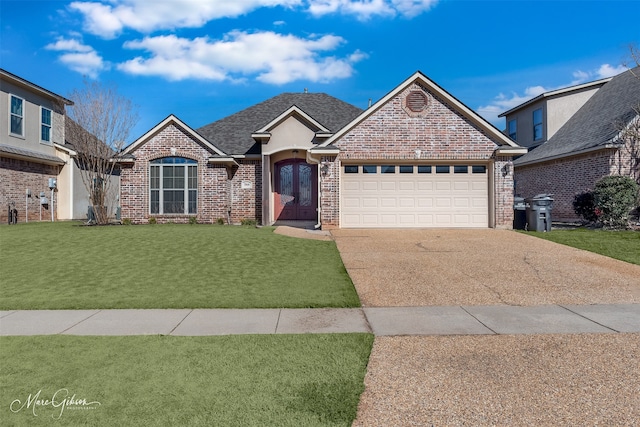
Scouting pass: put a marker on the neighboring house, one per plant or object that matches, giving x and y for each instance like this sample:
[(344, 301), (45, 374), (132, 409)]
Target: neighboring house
[(533, 122), (585, 148), (416, 158), (33, 150)]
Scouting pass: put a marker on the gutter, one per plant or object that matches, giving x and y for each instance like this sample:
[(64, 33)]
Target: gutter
[(608, 146)]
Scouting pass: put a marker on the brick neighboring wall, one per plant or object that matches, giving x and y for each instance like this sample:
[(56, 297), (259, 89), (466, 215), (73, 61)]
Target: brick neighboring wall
[(215, 188), (394, 133), (503, 173), (565, 178), (18, 175)]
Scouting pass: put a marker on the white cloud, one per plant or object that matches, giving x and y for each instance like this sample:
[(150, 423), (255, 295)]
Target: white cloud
[(68, 45), (607, 70), (502, 103), (108, 18), (78, 57), (270, 57), (365, 9)]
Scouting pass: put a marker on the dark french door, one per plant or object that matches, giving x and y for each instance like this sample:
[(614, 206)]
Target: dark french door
[(296, 186)]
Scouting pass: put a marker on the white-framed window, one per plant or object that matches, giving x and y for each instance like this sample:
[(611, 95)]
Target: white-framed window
[(173, 186), (45, 125), (537, 124), (513, 129), (16, 115)]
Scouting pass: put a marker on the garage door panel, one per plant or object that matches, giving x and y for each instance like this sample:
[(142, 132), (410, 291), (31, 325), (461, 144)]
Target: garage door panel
[(461, 202), (406, 202), (407, 186), (388, 186), (442, 202), (370, 202), (388, 202), (425, 185), (414, 200), (369, 186)]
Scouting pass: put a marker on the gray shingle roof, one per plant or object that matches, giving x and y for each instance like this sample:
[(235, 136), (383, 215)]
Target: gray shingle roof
[(596, 123), (233, 133), (8, 149)]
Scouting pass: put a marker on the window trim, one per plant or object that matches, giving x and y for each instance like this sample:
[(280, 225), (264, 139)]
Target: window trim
[(537, 125), (11, 114), (185, 164), (513, 135), (49, 125)]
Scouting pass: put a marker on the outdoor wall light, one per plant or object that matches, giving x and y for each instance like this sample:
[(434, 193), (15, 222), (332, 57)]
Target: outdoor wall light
[(506, 169), (324, 169)]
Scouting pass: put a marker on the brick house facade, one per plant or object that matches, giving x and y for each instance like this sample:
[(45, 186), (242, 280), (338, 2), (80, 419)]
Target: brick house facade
[(285, 158), (589, 146)]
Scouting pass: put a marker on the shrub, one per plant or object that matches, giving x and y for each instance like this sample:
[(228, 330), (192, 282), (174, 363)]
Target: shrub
[(220, 221), (248, 221), (126, 221), (584, 205), (153, 220), (615, 197), (193, 220)]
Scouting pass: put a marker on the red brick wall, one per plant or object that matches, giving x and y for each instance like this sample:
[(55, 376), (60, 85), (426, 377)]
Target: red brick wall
[(393, 133), (18, 175), (215, 189), (564, 178)]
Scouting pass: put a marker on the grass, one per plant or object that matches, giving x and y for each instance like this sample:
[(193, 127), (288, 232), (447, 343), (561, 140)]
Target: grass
[(622, 245), (246, 380), (69, 266)]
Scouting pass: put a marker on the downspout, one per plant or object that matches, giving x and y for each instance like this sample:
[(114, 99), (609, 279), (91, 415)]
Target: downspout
[(311, 160)]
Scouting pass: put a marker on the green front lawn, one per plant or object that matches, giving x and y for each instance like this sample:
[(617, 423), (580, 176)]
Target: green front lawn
[(622, 245), (241, 380), (65, 265)]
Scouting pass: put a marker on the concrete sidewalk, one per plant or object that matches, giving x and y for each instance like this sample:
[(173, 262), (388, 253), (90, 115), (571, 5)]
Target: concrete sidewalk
[(382, 321)]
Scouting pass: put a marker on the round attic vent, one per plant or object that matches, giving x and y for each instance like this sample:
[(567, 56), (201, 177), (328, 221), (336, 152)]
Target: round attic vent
[(416, 101)]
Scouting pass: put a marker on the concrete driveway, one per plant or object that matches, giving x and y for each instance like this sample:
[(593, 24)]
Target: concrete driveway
[(514, 380), (479, 267)]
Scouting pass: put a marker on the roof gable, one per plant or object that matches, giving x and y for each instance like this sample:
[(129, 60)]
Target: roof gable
[(455, 104), (172, 120), (597, 124), (17, 80), (234, 133), (556, 93), (295, 112)]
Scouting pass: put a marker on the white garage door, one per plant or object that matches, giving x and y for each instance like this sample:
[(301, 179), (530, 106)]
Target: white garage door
[(414, 196)]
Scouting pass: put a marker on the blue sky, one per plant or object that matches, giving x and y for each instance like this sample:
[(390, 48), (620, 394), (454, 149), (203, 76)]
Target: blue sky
[(205, 59)]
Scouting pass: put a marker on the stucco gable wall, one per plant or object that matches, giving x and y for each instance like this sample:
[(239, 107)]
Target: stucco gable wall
[(394, 132), (212, 179)]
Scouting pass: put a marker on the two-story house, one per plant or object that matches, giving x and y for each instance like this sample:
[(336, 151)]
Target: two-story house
[(34, 155), (535, 121), (580, 140)]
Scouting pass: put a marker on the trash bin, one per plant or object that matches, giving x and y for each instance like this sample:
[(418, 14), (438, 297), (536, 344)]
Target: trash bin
[(539, 212), (519, 213)]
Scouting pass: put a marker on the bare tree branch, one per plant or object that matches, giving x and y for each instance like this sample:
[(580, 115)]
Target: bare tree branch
[(99, 124)]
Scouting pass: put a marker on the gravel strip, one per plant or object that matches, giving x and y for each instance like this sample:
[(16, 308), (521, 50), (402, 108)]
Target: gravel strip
[(507, 380)]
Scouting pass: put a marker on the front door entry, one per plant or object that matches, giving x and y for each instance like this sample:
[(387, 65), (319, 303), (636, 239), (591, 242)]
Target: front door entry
[(296, 186)]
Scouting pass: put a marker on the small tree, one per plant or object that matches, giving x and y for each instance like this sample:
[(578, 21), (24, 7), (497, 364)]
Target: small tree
[(100, 123), (615, 196)]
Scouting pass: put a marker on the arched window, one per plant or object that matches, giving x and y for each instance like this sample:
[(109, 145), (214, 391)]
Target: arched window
[(173, 185)]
